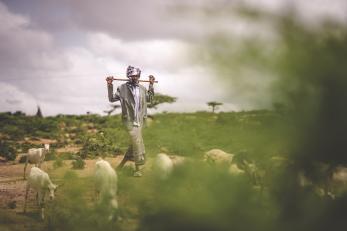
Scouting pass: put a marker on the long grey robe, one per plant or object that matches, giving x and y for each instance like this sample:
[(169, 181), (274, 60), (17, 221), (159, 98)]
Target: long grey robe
[(134, 125)]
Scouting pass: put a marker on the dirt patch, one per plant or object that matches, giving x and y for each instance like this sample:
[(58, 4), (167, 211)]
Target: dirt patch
[(12, 192), (12, 184), (71, 149), (38, 141)]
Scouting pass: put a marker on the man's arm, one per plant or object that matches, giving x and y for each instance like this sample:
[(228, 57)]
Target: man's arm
[(150, 91), (112, 97)]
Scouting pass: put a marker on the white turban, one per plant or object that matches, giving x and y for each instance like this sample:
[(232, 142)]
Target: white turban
[(131, 71)]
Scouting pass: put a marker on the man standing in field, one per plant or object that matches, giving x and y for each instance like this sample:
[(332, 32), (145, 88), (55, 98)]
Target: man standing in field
[(133, 98)]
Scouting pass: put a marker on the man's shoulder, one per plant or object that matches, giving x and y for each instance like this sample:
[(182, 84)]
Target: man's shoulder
[(122, 86), (142, 87)]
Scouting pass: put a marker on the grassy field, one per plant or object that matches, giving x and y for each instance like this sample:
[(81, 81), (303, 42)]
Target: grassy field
[(197, 196), (254, 132)]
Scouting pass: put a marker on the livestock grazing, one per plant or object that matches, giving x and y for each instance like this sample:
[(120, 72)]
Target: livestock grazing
[(218, 156), (163, 165), (255, 174), (235, 170), (236, 166), (332, 181), (35, 156), (340, 175), (106, 187), (179, 160), (41, 183), (318, 188)]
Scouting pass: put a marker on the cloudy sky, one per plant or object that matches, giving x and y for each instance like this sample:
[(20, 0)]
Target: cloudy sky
[(57, 53)]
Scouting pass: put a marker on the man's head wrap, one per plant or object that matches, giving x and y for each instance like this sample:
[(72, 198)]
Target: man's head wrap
[(131, 71)]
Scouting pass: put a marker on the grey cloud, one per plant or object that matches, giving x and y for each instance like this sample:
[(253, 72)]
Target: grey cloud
[(156, 19), (39, 67), (121, 18), (13, 101), (25, 51)]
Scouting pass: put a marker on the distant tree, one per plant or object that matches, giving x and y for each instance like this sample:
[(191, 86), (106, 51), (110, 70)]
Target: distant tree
[(113, 108), (19, 113), (214, 105), (39, 113), (161, 98)]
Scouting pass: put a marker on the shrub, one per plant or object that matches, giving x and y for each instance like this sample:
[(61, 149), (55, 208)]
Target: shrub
[(95, 144), (58, 163), (51, 155), (79, 163), (22, 159), (7, 151), (67, 156)]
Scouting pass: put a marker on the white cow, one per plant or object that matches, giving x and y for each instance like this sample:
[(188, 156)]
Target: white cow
[(41, 183), (106, 186), (35, 156)]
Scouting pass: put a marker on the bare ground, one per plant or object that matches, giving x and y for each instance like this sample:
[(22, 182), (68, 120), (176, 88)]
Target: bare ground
[(12, 192)]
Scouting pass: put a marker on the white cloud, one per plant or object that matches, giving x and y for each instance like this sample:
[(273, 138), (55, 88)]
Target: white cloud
[(23, 49), (72, 79), (162, 54), (13, 99), (38, 68)]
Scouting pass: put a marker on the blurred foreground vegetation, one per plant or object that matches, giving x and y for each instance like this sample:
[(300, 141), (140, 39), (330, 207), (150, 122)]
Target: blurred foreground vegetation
[(197, 196), (305, 134)]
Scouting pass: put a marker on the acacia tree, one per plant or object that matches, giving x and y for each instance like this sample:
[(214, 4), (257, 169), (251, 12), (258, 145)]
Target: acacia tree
[(112, 109), (159, 99), (214, 105)]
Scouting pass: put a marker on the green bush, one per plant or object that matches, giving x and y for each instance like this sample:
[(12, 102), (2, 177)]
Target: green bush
[(97, 144), (51, 155), (79, 163), (58, 163), (67, 156), (7, 150)]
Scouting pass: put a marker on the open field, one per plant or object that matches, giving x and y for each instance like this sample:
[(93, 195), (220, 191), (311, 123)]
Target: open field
[(12, 186), (196, 196)]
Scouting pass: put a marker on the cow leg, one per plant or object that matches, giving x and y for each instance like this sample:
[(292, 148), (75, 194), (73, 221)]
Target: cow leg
[(26, 197), (42, 205), (42, 213), (39, 198), (96, 196), (25, 166)]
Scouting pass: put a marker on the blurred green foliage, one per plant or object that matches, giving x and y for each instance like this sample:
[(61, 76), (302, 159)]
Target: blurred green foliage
[(302, 73), (58, 162), (299, 69), (78, 163), (79, 211), (7, 150)]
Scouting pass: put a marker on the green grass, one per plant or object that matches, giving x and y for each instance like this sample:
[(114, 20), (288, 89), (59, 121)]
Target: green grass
[(258, 133), (193, 134), (196, 196)]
